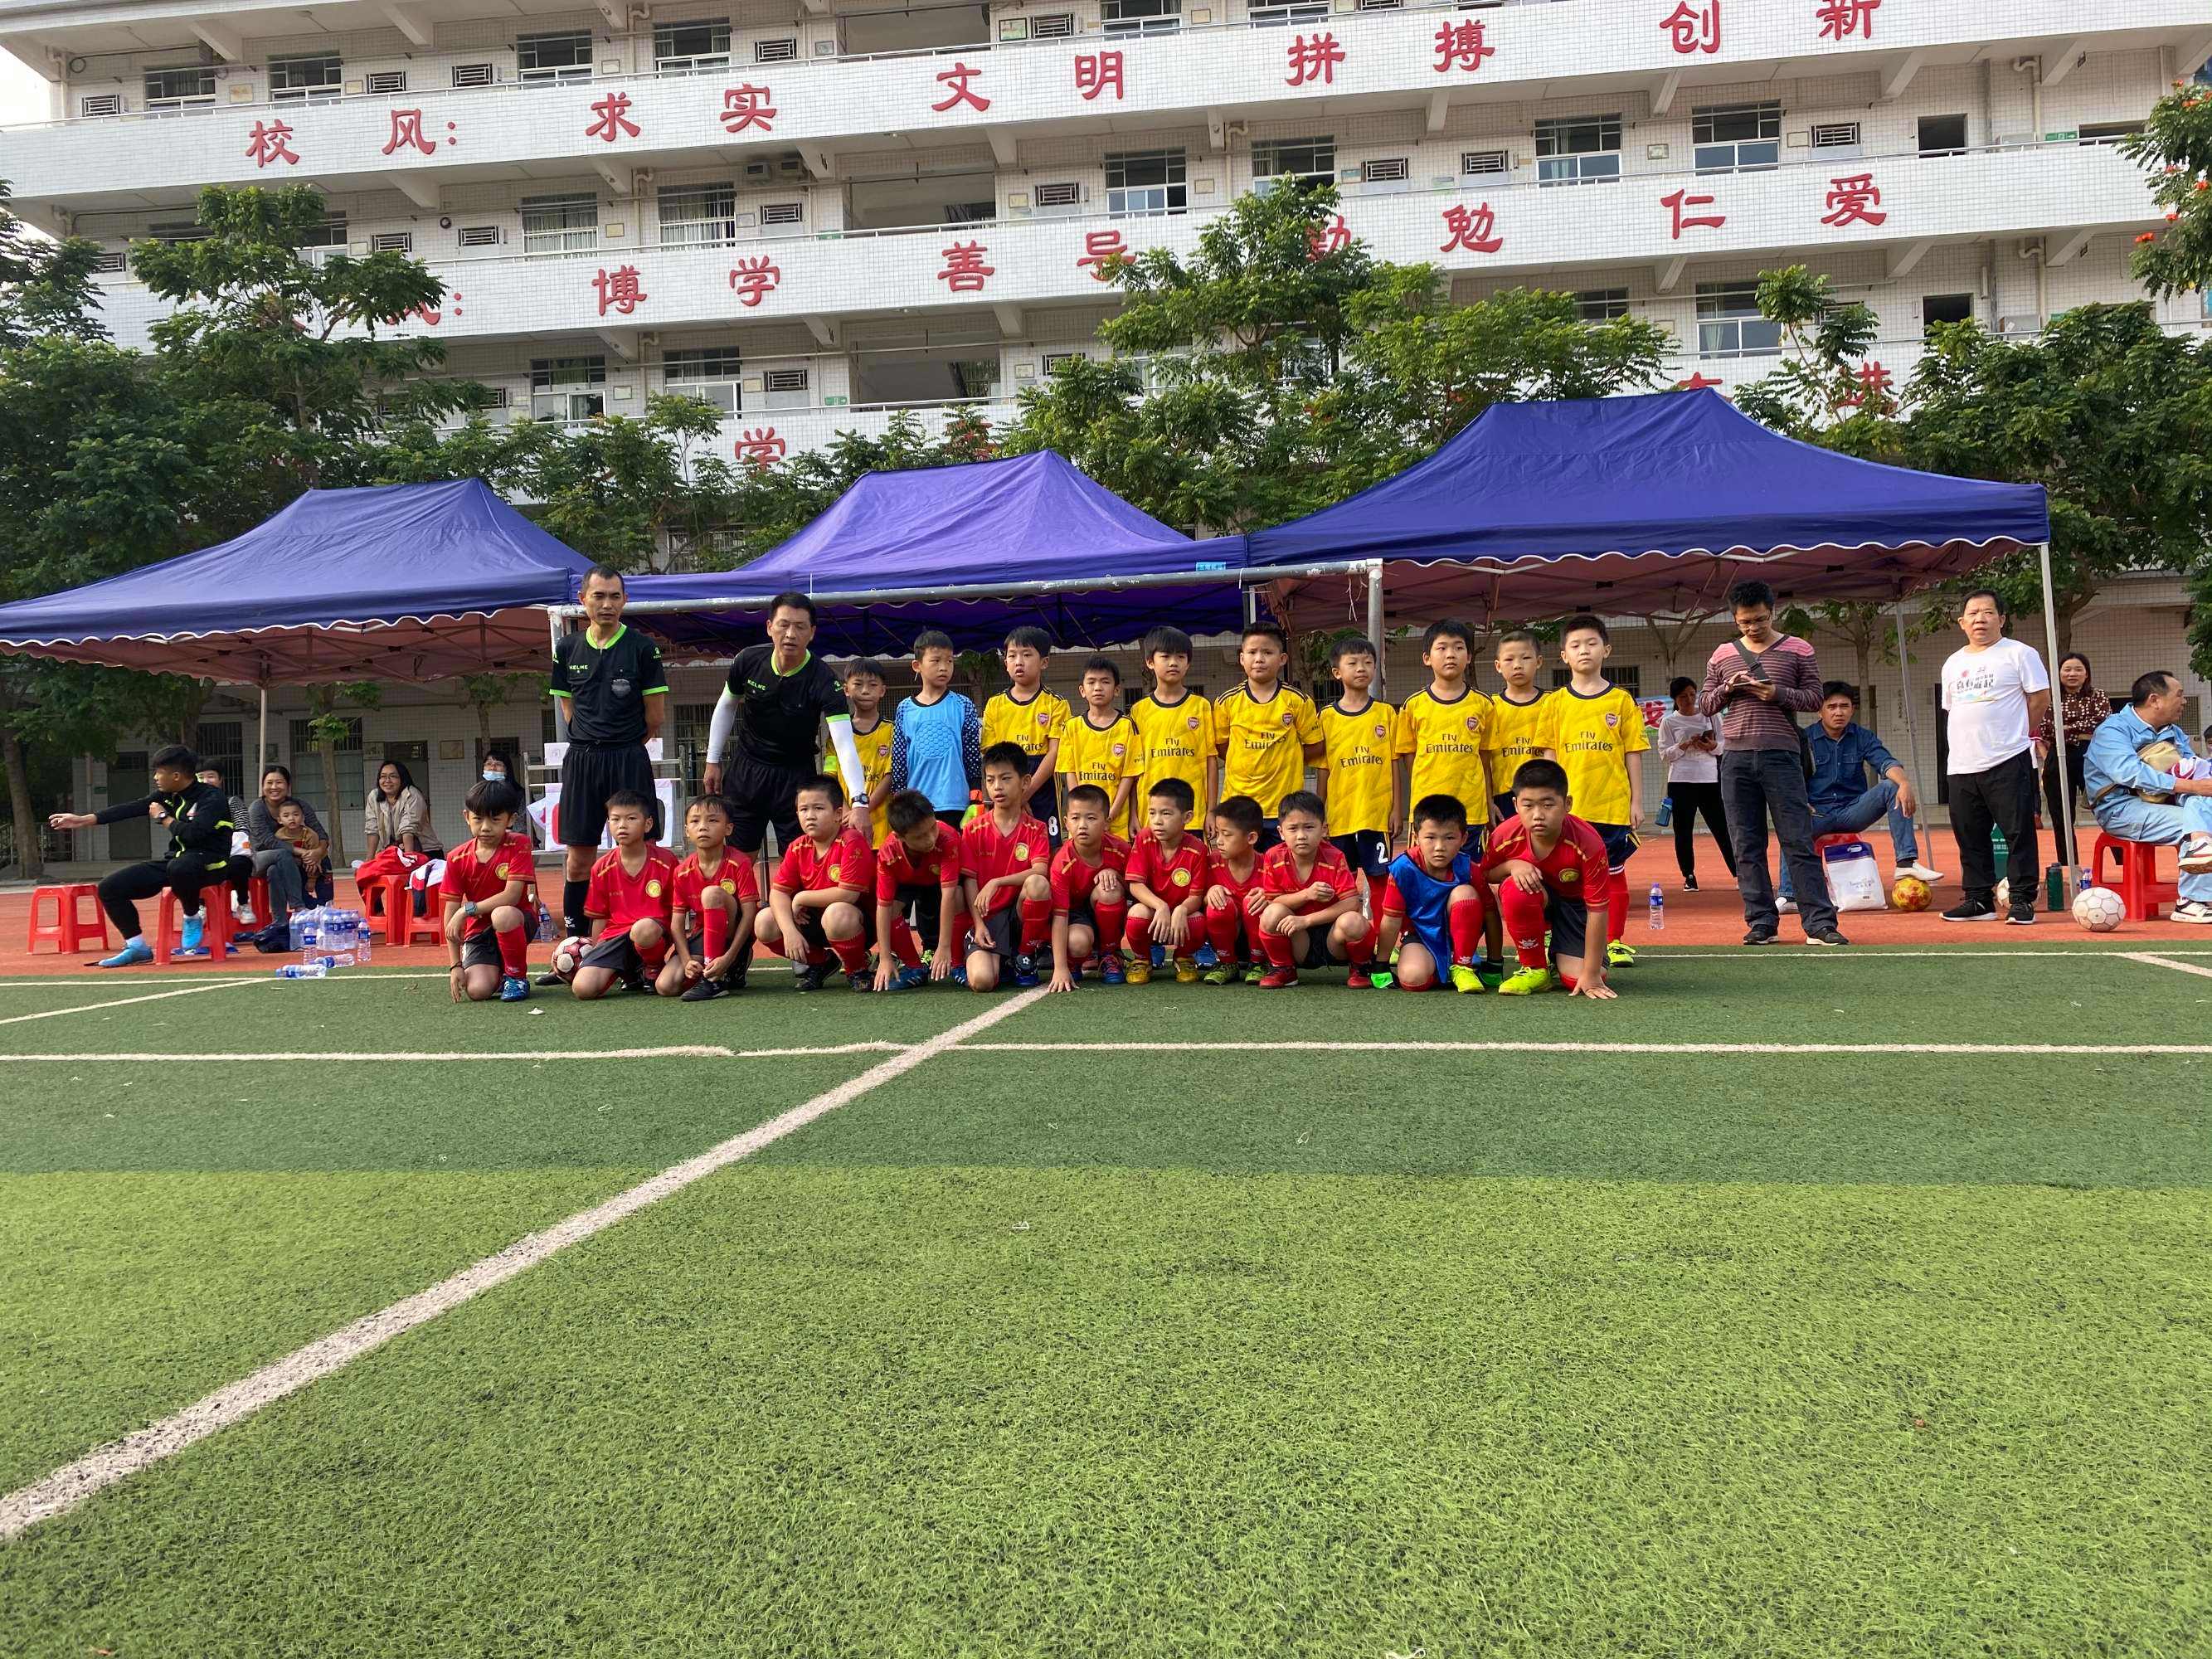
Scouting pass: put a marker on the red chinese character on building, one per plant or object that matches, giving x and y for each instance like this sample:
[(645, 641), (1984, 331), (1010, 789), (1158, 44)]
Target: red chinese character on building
[(270, 140), (748, 106), (1102, 251), (1313, 58), (1854, 201), (1096, 72), (965, 271), (407, 132), (1461, 45), (1682, 198), (1874, 387), (1697, 382), (755, 279), (619, 290), (1334, 237), (1474, 229), (1841, 19), (1691, 30), (613, 111), (759, 446), (955, 81)]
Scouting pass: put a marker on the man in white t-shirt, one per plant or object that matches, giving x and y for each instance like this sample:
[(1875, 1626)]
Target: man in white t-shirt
[(1995, 695)]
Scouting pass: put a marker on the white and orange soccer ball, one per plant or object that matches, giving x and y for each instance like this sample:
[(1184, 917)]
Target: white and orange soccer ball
[(568, 956), (2099, 909)]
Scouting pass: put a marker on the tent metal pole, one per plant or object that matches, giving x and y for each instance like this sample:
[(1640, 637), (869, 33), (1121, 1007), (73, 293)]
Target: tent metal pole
[(1375, 625), (2058, 756), (560, 719), (1904, 688), (261, 741), (1251, 605)]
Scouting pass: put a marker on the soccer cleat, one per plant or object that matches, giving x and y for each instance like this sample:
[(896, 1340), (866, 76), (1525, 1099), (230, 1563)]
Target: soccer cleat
[(550, 979), (1919, 871), (734, 980), (860, 980), (1971, 910), (1527, 981), (1205, 958), (1222, 973), (1620, 954), (707, 990), (1359, 979), (1382, 979), (514, 988), (1464, 979), (1491, 974), (1278, 979), (1254, 972), (910, 979), (2023, 915), (1830, 937), (957, 976), (1138, 970), (1109, 969), (2191, 910), (133, 953), (1759, 936), (807, 976), (1186, 970), (1025, 970)]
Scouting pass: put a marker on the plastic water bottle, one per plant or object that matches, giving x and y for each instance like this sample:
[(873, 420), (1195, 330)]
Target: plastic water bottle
[(318, 968), (1658, 909), (545, 935), (1666, 814), (306, 929), (337, 937)]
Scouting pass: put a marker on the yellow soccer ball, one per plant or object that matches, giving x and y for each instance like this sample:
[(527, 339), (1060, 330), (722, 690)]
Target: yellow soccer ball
[(1911, 893)]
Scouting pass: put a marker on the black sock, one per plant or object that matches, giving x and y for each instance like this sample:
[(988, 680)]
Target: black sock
[(573, 896)]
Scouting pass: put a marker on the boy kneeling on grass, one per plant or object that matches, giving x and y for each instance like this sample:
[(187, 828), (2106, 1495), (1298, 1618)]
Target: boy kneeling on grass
[(1550, 867), (1003, 857), (1167, 875), (487, 930), (1311, 917), (718, 902), (1432, 901), (632, 891), (1090, 901), (814, 901), (918, 876)]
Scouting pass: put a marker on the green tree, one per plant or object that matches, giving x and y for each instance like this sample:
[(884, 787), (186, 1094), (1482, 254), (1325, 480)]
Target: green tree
[(46, 286), (329, 725), (2175, 149), (1822, 391)]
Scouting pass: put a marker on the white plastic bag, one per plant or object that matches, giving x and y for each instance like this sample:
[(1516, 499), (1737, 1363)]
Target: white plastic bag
[(1854, 880)]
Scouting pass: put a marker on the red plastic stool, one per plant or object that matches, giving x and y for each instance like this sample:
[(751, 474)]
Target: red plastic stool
[(68, 929), (399, 912), (216, 928), (2139, 889), (257, 900)]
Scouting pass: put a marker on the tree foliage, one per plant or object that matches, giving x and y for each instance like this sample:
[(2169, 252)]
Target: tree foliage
[(2175, 149)]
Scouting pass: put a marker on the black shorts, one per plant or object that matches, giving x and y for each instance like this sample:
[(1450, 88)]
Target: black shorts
[(1004, 929), (1619, 841), (811, 934), (762, 797), (482, 950), (924, 908), (1270, 836), (620, 956), (1044, 805), (1504, 806), (589, 774), (1367, 851), (1569, 920)]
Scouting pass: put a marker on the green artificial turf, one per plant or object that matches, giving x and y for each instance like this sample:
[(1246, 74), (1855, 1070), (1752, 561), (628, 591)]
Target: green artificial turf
[(881, 1412)]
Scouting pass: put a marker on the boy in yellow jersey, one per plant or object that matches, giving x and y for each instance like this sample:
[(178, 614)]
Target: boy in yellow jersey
[(866, 687), (1028, 714), (1175, 724), (1360, 768), (1600, 732), (1442, 729), (1267, 730), (1101, 744), (1521, 717)]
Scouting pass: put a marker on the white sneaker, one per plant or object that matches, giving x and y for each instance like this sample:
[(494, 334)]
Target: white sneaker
[(2196, 910), (241, 911), (1788, 907), (2197, 855), (1922, 871)]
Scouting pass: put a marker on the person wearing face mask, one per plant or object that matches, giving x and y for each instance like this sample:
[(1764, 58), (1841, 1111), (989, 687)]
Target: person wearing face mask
[(499, 768)]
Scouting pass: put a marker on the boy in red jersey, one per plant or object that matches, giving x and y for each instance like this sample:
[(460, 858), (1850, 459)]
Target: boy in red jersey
[(717, 902), (486, 934), (917, 874), (1312, 916), (1550, 867), (632, 892), (1089, 903), (814, 902), (1235, 893), (1167, 880), (1003, 862)]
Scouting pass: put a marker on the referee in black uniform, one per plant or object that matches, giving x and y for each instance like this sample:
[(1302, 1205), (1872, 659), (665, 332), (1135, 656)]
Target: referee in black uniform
[(779, 697), (608, 681)]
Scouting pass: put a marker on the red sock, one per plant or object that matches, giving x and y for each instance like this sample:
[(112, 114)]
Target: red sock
[(1138, 936), (714, 929), (852, 953), (515, 953), (1465, 917), (1223, 926), (1360, 951), (1524, 922), (1112, 919), (905, 946), (1036, 925), (1616, 912), (1280, 952)]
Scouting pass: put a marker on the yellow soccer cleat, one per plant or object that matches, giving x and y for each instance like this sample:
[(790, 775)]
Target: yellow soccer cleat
[(1186, 970), (1528, 981), (1620, 954), (1136, 970), (1464, 979)]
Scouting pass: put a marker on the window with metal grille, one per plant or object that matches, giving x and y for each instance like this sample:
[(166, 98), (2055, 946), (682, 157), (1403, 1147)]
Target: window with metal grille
[(104, 103), (785, 379), (1058, 27), (307, 773), (1385, 170), (170, 88), (775, 52), (715, 362), (385, 81), (1737, 137), (474, 75), (782, 213), (698, 215), (1140, 17), (1578, 149), (1728, 323), (1601, 305), (1837, 134), (1146, 181), (392, 242), (110, 264), (567, 223), (700, 43), (1282, 17), (975, 377), (1486, 161), (1054, 361), (1067, 195), (549, 373), (1309, 161), (292, 79), (562, 55), (481, 236), (1380, 5)]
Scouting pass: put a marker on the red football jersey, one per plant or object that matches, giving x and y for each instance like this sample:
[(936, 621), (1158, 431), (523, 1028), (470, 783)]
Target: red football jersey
[(1240, 892), (897, 867), (1576, 868), (1173, 877), (807, 869), (988, 854), (470, 874), (625, 899), (734, 875), (1279, 874), (1072, 877)]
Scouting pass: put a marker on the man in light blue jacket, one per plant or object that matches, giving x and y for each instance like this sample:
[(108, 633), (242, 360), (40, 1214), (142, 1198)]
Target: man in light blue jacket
[(2112, 775)]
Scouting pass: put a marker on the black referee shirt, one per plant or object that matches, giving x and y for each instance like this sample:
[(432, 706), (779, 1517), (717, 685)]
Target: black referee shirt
[(779, 715), (605, 686)]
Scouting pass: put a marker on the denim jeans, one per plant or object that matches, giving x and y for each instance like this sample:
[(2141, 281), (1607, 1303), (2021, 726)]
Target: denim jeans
[(1753, 783), (1859, 814), (2125, 816)]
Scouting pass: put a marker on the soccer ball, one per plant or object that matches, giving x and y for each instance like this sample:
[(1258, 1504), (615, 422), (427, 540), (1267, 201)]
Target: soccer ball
[(2099, 909), (568, 956), (1911, 893)]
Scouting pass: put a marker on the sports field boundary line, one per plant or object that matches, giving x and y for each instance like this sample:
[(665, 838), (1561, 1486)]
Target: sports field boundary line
[(125, 1002), (2166, 959), (105, 1466), (672, 1051), (1510, 1046)]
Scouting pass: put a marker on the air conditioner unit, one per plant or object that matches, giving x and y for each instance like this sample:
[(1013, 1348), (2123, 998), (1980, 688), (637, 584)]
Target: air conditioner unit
[(2019, 324), (790, 166), (103, 103), (758, 172)]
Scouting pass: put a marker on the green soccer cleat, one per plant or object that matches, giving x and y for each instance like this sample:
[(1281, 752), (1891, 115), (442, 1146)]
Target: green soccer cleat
[(1528, 981), (1222, 973), (1620, 954), (1464, 979), (1254, 972)]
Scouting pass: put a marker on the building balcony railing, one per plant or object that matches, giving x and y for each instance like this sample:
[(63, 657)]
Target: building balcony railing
[(1425, 57)]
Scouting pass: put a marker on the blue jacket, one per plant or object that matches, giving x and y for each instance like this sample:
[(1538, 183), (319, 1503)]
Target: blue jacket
[(2110, 762), (1839, 765)]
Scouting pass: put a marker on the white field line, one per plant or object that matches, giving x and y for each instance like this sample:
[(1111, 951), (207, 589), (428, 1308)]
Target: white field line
[(69, 1485), (2166, 960), (677, 1051), (124, 1002), (1555, 1048)]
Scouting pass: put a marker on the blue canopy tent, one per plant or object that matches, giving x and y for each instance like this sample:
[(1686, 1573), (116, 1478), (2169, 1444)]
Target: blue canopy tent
[(974, 550)]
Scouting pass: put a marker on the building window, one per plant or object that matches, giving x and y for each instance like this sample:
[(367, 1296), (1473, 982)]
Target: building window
[(1942, 135), (291, 79), (562, 56), (1141, 16), (392, 242), (1737, 137), (2108, 132), (385, 81), (707, 372), (560, 224), (1601, 305), (169, 89), (332, 233), (702, 43), (1836, 138), (1307, 161), (1578, 149), (307, 773), (174, 231), (1946, 309), (1282, 17), (698, 215), (1485, 163), (568, 388), (1728, 323), (1146, 181)]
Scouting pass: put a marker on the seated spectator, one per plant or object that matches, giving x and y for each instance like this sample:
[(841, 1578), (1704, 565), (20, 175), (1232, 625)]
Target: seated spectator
[(1844, 801), (242, 869), (2119, 783), (310, 850), (397, 837), (274, 859), (197, 817)]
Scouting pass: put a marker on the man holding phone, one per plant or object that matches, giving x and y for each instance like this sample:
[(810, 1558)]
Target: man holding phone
[(1757, 684)]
